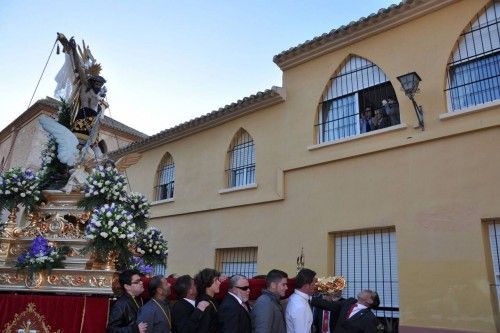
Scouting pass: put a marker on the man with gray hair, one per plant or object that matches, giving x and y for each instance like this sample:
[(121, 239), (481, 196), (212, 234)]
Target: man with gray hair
[(354, 315), (233, 314), (267, 313)]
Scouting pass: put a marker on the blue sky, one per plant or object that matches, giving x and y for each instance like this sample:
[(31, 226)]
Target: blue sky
[(166, 62)]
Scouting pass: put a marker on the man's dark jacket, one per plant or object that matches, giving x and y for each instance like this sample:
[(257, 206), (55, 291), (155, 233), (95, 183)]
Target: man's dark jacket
[(362, 322), (208, 321), (233, 317), (123, 315), (185, 317), (318, 318)]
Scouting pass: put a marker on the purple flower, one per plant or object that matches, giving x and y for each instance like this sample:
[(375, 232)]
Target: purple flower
[(39, 246)]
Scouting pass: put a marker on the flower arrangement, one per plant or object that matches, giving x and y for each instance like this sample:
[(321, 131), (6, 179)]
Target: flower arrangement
[(330, 285), (137, 204), (105, 185), (139, 264), (19, 186), (42, 255), (152, 246), (110, 229)]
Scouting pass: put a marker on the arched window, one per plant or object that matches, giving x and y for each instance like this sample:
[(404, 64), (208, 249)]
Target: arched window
[(103, 146), (241, 160), (359, 99), (166, 178), (474, 68)]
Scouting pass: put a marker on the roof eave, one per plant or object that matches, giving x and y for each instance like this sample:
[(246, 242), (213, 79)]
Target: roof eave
[(370, 26), (200, 124)]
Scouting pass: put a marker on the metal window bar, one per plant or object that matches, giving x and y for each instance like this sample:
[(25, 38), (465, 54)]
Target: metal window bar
[(359, 85), (368, 260), (494, 239), (240, 260), (474, 69), (342, 117), (241, 157), (166, 179)]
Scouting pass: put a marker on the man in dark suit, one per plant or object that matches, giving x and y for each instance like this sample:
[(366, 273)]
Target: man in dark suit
[(354, 315), (234, 315), (324, 321), (185, 315)]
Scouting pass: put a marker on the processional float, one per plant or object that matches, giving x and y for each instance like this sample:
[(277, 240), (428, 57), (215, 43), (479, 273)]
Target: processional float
[(78, 213)]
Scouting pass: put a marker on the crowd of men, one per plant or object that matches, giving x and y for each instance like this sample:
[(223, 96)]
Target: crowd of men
[(197, 311)]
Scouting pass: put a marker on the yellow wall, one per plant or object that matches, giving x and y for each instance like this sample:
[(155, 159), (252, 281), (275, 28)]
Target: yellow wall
[(434, 186)]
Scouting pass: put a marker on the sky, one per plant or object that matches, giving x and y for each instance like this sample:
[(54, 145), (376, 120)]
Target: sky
[(165, 62)]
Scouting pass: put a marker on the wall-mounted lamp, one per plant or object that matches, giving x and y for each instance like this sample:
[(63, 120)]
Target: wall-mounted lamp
[(410, 82)]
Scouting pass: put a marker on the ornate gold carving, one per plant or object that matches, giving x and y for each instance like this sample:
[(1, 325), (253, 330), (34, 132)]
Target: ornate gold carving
[(4, 248), (16, 249), (33, 280), (29, 320), (67, 280), (99, 281), (8, 278)]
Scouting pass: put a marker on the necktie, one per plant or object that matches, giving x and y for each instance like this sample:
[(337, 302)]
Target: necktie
[(244, 306), (326, 322), (350, 311)]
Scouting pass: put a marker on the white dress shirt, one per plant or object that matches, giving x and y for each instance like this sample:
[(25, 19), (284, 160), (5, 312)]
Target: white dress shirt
[(358, 307), (298, 314), (190, 301)]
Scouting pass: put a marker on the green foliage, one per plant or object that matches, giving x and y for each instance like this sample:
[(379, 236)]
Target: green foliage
[(64, 114)]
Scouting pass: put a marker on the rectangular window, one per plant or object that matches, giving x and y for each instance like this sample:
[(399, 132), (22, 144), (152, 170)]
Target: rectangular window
[(494, 240), (239, 260), (368, 259)]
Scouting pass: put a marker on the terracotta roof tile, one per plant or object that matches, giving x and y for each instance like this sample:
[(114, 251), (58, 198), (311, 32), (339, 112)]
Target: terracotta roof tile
[(242, 106)]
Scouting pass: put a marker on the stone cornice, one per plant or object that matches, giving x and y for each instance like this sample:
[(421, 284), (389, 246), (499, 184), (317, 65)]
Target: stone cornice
[(50, 106), (356, 31), (244, 106)]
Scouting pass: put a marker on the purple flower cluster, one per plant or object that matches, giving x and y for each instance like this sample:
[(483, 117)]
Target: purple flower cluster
[(152, 246), (19, 186), (40, 255), (107, 183), (139, 264), (137, 204), (111, 223)]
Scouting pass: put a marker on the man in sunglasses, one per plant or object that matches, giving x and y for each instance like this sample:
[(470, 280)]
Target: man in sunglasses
[(234, 314)]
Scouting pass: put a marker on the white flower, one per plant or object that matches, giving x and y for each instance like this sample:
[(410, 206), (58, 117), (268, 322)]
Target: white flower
[(104, 234), (23, 195)]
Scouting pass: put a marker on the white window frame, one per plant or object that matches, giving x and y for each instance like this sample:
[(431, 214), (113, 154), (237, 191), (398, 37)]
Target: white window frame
[(479, 42), (241, 160), (357, 74), (166, 176), (368, 259)]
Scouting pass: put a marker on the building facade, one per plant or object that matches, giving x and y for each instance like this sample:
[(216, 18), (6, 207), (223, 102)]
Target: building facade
[(22, 141), (336, 163)]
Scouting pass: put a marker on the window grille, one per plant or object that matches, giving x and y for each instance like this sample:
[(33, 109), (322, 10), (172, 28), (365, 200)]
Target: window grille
[(494, 236), (359, 99), (239, 260), (474, 69), (160, 269), (368, 260), (166, 178), (241, 157)]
